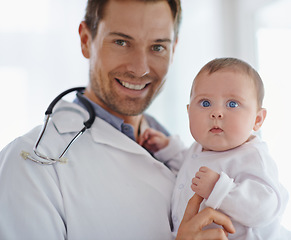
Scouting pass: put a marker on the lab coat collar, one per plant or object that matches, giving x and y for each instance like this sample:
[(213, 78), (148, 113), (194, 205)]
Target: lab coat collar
[(69, 117)]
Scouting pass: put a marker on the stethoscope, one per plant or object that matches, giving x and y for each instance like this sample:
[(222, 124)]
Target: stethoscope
[(87, 124)]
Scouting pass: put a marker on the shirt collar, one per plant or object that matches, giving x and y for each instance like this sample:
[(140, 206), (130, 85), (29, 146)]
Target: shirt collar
[(116, 122)]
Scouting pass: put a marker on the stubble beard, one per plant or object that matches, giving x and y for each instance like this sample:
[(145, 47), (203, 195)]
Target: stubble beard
[(114, 103)]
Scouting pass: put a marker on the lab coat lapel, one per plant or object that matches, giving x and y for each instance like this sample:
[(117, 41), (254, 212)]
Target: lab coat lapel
[(102, 132), (69, 117)]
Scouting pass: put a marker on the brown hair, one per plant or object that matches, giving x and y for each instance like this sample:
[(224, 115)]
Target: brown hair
[(236, 64), (96, 8)]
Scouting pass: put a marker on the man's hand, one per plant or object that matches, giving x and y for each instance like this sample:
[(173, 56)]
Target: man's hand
[(193, 222)]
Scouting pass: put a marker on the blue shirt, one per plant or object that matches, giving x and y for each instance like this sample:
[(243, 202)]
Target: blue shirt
[(119, 124)]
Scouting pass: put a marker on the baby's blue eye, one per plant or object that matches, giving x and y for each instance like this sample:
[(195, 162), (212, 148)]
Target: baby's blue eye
[(232, 104), (205, 103)]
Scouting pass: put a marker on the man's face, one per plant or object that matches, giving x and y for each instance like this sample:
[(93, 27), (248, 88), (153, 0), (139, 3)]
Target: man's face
[(130, 55)]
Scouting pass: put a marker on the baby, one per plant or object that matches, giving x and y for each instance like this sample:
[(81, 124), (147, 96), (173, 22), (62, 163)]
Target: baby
[(231, 166)]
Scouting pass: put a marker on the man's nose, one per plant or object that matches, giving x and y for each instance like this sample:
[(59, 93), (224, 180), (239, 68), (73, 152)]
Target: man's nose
[(139, 63)]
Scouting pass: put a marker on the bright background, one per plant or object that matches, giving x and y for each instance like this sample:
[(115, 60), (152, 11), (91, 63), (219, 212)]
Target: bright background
[(40, 57)]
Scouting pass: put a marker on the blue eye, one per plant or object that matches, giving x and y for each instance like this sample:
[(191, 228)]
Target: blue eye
[(158, 48), (205, 103), (121, 42), (232, 104)]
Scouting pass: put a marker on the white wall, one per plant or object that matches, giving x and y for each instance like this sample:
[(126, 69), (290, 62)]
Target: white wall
[(274, 50), (39, 57)]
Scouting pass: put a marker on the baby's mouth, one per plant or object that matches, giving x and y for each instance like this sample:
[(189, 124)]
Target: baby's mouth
[(216, 130)]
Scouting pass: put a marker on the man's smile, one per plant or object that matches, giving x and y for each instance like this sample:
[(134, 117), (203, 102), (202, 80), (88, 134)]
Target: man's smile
[(131, 86)]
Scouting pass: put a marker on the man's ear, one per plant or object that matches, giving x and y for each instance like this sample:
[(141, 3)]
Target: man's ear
[(175, 44), (85, 37), (261, 115)]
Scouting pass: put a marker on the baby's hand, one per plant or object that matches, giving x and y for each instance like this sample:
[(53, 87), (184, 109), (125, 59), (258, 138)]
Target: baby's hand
[(204, 182), (153, 140)]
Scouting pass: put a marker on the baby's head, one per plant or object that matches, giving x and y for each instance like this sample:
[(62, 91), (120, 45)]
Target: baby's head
[(226, 104)]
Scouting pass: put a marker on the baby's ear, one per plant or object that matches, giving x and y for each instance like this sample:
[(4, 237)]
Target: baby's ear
[(261, 115)]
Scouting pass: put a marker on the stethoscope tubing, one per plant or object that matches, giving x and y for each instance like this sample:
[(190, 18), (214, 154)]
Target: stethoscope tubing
[(87, 124)]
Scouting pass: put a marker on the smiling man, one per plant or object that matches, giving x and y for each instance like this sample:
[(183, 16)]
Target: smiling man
[(129, 56), (111, 187)]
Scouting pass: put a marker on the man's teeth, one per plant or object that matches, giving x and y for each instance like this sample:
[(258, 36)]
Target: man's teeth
[(132, 86)]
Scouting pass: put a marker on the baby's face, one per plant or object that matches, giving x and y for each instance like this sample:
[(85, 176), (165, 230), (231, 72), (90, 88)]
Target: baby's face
[(223, 109)]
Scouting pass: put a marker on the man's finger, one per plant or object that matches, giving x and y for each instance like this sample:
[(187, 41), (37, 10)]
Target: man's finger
[(212, 234), (192, 207), (208, 216)]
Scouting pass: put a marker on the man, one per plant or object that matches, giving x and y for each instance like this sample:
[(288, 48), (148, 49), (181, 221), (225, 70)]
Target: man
[(111, 188)]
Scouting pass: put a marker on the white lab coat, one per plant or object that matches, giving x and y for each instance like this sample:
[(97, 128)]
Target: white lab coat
[(110, 188)]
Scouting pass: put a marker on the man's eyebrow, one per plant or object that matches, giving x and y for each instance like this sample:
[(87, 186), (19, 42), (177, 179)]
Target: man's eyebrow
[(163, 40), (119, 34)]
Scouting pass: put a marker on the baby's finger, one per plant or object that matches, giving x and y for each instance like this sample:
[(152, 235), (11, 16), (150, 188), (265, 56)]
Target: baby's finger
[(143, 137), (195, 181), (203, 169)]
